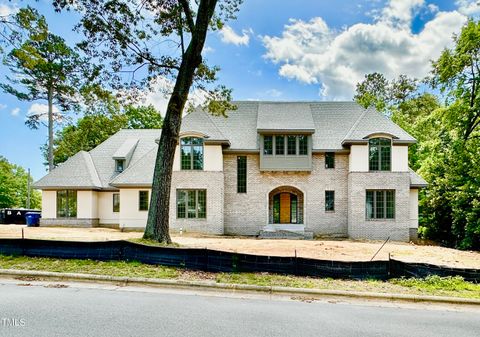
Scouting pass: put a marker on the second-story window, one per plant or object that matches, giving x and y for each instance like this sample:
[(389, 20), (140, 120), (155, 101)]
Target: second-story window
[(280, 145), (267, 145), (329, 160), (191, 149), (119, 165), (302, 145), (292, 145), (380, 150)]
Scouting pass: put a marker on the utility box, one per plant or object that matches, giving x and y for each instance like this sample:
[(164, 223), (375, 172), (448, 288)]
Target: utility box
[(14, 216)]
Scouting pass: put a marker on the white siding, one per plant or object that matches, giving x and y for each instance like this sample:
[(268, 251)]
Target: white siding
[(87, 205), (49, 204), (358, 160), (105, 208), (130, 216), (399, 158)]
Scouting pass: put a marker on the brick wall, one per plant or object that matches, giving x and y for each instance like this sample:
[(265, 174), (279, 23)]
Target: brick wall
[(361, 228), (213, 182), (247, 213)]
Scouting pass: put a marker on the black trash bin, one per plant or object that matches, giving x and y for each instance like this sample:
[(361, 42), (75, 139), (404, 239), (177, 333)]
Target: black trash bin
[(33, 219)]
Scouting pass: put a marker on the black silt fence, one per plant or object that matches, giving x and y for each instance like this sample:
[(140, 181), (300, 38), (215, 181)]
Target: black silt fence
[(220, 261)]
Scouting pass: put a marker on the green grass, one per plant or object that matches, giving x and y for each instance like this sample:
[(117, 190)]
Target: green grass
[(432, 285)]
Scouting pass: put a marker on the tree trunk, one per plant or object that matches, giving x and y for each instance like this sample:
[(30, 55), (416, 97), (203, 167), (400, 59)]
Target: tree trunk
[(50, 129), (158, 214)]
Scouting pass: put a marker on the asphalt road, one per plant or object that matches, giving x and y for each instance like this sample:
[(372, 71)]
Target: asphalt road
[(42, 310)]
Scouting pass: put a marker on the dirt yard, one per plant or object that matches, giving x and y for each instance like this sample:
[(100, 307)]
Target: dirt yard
[(344, 250)]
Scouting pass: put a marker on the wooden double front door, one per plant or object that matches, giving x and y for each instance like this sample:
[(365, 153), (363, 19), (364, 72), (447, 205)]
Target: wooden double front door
[(285, 208)]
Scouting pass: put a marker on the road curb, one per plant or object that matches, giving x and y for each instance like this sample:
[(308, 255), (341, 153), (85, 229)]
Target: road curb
[(211, 285)]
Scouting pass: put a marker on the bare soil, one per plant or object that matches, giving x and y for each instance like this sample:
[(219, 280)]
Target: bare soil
[(341, 250)]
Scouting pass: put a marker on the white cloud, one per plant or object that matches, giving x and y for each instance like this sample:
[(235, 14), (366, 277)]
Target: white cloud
[(160, 92), (208, 49), (15, 112), (433, 8), (229, 36), (42, 111), (6, 10), (468, 7), (2, 106), (274, 93), (313, 53)]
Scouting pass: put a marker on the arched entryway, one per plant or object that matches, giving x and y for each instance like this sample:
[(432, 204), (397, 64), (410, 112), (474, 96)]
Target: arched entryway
[(285, 205)]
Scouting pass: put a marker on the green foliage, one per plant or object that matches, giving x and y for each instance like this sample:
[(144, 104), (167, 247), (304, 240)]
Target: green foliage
[(44, 67), (447, 153), (94, 128), (13, 187), (127, 38), (435, 282)]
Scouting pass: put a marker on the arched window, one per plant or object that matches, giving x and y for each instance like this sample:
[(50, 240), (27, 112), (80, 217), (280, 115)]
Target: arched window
[(380, 154), (191, 149)]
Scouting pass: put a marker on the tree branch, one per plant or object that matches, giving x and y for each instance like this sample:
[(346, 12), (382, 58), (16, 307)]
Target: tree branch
[(188, 15)]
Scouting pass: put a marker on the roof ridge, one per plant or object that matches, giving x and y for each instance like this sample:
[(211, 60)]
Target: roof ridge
[(129, 168), (355, 124), (215, 125), (92, 170)]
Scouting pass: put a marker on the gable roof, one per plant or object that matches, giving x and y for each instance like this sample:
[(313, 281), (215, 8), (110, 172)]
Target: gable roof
[(371, 123), (77, 172)]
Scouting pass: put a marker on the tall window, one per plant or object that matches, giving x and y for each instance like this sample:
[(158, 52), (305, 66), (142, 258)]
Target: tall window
[(292, 145), (329, 201), (380, 204), (329, 160), (267, 145), (191, 204), (67, 204), (380, 154), (116, 202), (241, 174), (191, 153), (279, 145), (302, 145), (143, 200)]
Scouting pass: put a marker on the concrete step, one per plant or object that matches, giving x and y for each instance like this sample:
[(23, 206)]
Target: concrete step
[(283, 234)]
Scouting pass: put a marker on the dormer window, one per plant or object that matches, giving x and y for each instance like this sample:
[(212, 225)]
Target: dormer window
[(119, 165), (191, 149), (380, 158)]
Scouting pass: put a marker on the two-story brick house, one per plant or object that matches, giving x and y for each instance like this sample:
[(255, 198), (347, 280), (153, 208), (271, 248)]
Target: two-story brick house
[(327, 168)]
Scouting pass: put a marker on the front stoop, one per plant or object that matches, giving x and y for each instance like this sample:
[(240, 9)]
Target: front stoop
[(285, 231)]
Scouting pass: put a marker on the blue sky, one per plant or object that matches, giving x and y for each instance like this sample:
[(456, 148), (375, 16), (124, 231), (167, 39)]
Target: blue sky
[(281, 50)]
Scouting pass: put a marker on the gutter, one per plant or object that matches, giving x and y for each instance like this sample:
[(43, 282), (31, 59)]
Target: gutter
[(211, 285)]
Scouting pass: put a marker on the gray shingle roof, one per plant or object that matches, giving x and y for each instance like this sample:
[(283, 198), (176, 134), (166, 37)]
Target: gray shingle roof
[(288, 116), (416, 180), (139, 173), (77, 172), (102, 155), (372, 122), (334, 124)]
